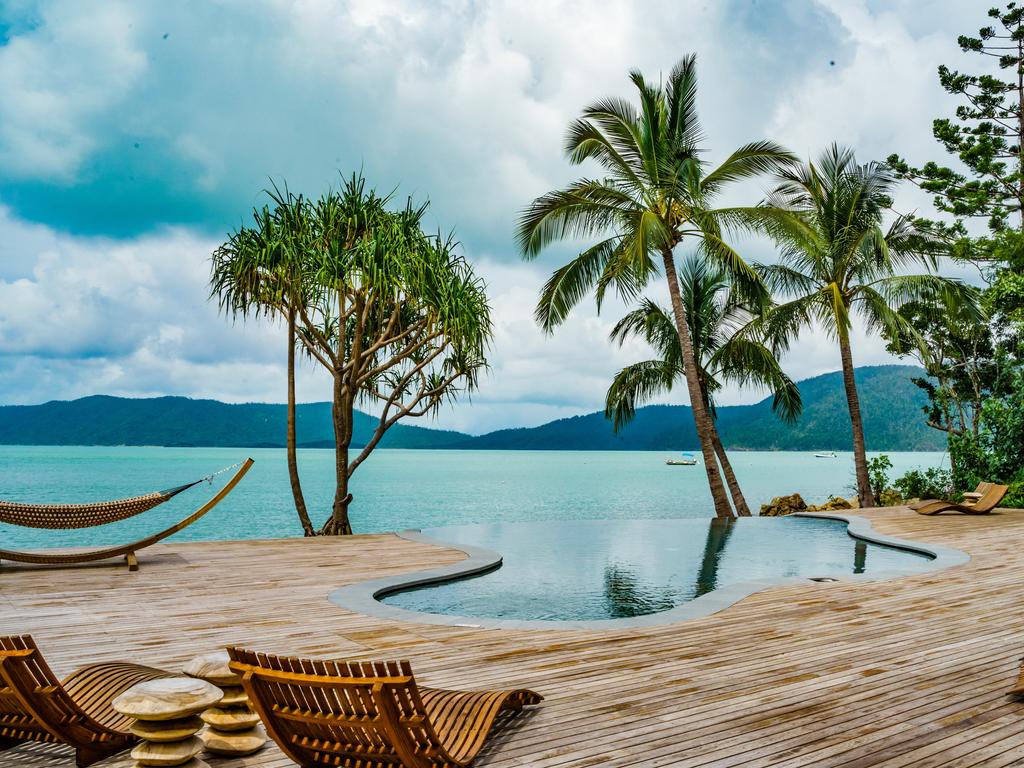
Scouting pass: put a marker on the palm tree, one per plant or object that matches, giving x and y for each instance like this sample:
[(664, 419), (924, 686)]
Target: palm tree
[(715, 316), (838, 262), (656, 193), (260, 270)]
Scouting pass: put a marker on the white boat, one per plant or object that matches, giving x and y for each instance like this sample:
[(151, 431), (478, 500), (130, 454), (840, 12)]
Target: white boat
[(825, 455), (686, 460)]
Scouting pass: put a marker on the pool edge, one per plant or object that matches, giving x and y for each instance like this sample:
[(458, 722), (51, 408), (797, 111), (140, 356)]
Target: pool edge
[(362, 597)]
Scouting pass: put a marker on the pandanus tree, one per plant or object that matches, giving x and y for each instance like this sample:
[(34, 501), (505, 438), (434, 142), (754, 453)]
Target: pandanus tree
[(716, 317), (656, 193), (840, 263), (396, 316)]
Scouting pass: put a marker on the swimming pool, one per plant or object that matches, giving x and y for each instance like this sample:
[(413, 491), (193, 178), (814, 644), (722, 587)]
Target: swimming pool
[(600, 570)]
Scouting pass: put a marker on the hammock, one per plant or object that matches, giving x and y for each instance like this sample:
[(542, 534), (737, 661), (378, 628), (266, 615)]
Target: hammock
[(66, 517)]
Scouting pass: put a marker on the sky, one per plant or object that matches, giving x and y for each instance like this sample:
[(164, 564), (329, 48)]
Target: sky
[(134, 136)]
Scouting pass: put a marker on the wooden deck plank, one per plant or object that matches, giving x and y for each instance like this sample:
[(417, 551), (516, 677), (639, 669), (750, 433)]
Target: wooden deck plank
[(907, 672)]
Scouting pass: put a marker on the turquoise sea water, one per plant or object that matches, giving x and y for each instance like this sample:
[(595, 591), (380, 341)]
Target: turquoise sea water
[(572, 570), (397, 489)]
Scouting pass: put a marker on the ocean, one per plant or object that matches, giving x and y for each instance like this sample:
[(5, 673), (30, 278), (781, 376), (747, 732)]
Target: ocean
[(398, 489)]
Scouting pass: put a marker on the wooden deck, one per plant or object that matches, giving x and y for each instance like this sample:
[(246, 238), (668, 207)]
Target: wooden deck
[(910, 672)]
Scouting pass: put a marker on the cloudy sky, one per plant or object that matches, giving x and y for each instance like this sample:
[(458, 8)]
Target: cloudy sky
[(135, 135)]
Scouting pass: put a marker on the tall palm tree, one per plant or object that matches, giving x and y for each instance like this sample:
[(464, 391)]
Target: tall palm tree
[(260, 271), (656, 192), (839, 262), (715, 316)]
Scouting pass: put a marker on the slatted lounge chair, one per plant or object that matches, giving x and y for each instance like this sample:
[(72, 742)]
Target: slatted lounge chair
[(988, 501), (71, 516), (368, 714), (970, 497), (36, 706)]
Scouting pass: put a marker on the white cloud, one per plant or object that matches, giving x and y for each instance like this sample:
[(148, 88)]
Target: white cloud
[(465, 102), (57, 81)]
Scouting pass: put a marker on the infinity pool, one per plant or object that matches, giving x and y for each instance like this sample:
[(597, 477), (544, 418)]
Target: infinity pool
[(609, 569)]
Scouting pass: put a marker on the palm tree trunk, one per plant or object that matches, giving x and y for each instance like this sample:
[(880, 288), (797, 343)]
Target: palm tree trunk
[(860, 459), (738, 500), (341, 414), (293, 464), (701, 418)]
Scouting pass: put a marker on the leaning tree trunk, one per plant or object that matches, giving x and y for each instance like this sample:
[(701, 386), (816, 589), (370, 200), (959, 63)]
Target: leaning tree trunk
[(701, 417), (860, 459), (293, 464), (341, 414), (738, 500)]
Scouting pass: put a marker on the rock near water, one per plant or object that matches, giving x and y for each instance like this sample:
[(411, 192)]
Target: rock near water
[(784, 505), (787, 505)]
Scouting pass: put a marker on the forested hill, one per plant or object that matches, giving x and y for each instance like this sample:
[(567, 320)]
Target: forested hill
[(180, 421), (890, 404), (889, 400)]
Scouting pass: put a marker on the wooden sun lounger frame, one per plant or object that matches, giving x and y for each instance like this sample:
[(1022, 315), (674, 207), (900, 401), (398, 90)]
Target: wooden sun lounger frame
[(37, 707), (991, 495), (127, 551), (368, 714)]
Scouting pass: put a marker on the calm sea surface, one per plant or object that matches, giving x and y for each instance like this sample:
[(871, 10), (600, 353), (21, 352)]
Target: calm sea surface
[(398, 489)]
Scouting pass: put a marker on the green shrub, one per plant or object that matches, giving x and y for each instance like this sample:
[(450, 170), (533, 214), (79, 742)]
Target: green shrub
[(1015, 496), (890, 497), (878, 475), (931, 483)]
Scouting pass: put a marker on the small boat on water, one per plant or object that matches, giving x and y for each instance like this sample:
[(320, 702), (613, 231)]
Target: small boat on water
[(686, 460), (825, 455)]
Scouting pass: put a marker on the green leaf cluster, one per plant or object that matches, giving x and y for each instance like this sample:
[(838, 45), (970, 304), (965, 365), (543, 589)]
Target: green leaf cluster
[(985, 135)]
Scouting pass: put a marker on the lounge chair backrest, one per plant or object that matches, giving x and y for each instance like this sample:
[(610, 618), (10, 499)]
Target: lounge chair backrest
[(991, 497), (15, 722), (23, 670), (338, 712)]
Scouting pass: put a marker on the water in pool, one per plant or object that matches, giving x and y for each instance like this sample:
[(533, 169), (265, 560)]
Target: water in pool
[(607, 569)]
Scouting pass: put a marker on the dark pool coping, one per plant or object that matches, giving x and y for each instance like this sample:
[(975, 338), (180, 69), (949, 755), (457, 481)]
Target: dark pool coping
[(362, 597)]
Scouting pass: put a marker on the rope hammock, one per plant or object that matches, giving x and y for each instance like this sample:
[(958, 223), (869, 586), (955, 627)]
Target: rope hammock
[(66, 517)]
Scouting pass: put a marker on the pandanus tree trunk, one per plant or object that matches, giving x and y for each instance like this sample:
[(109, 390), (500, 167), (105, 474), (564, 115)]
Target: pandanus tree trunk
[(341, 413), (701, 417), (860, 459), (293, 464)]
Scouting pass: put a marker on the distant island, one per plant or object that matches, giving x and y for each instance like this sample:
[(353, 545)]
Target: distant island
[(891, 403)]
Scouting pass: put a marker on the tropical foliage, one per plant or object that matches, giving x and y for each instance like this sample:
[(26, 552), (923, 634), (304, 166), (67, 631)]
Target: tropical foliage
[(715, 316), (979, 367), (840, 264), (656, 193), (395, 315), (986, 134)]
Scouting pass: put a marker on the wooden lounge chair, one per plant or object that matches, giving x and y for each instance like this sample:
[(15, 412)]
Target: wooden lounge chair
[(36, 706), (368, 714), (66, 517), (991, 496), (970, 497)]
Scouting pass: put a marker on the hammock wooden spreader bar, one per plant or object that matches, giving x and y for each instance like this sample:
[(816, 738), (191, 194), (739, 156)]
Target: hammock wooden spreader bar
[(128, 550)]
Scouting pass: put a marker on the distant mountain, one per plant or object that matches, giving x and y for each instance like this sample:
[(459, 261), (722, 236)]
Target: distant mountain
[(890, 402), (180, 421)]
